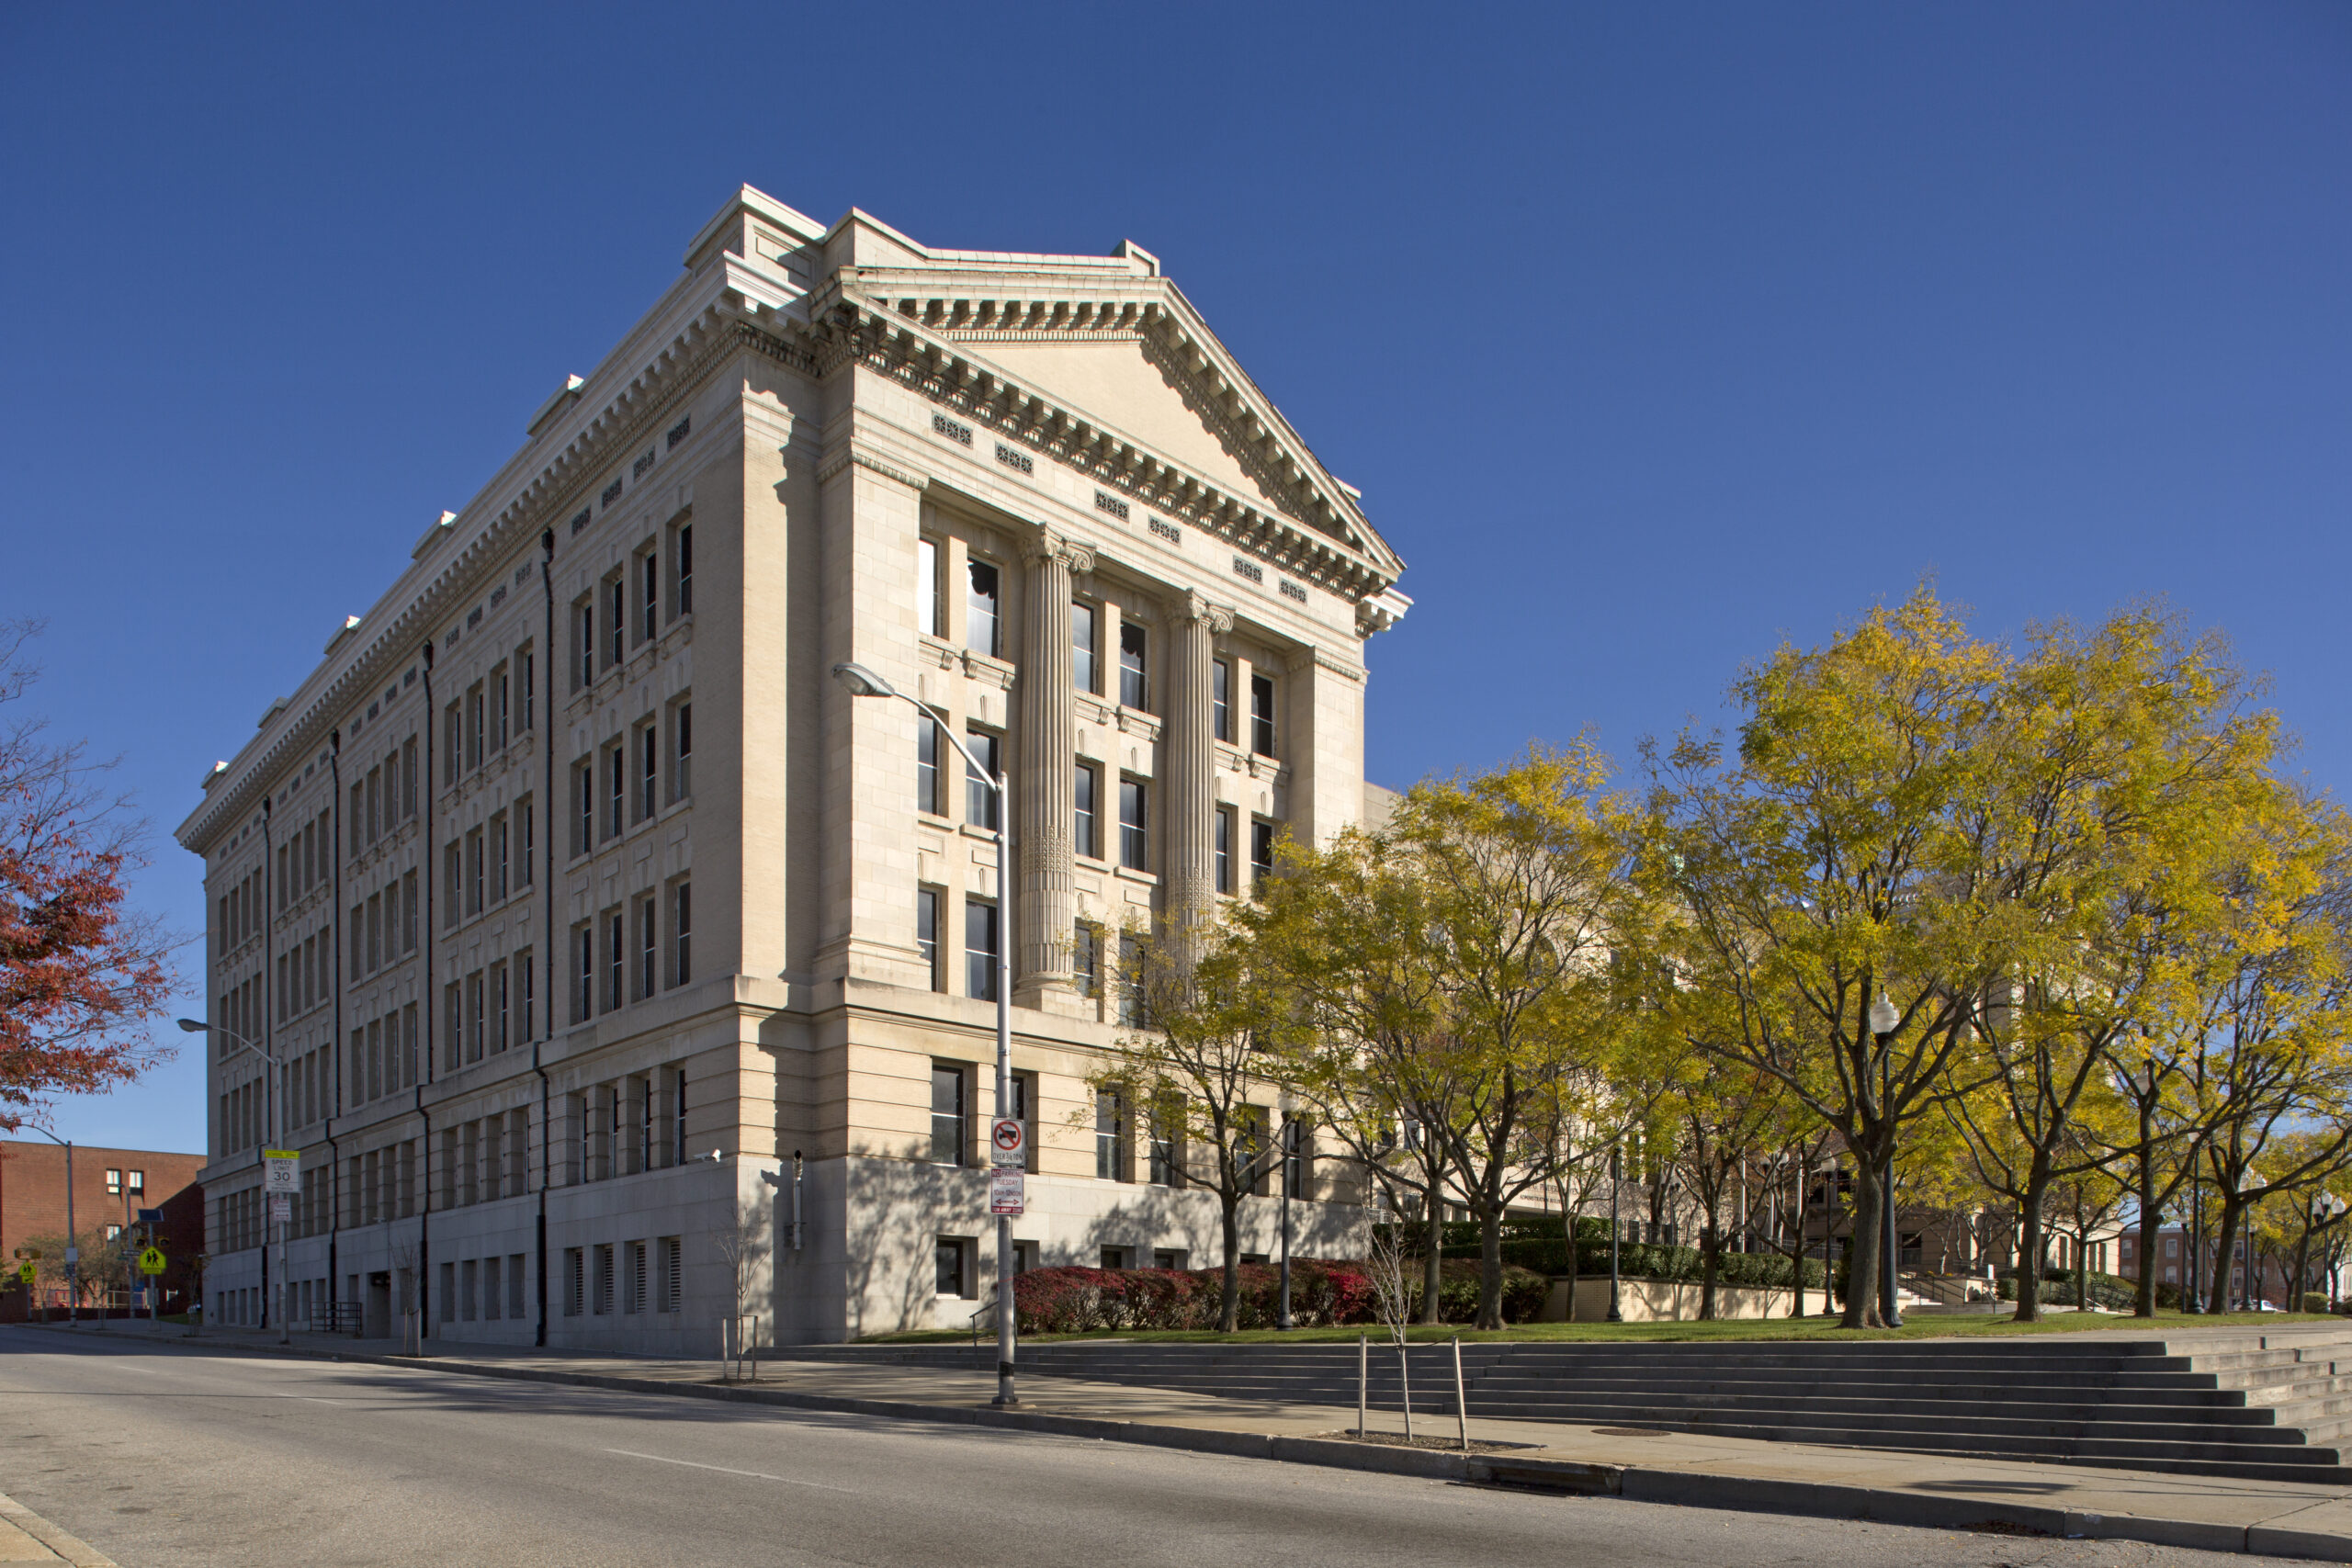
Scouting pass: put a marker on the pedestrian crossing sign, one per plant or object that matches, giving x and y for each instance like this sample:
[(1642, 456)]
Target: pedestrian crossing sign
[(151, 1261)]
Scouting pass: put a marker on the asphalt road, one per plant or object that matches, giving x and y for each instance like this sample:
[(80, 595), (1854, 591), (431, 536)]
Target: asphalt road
[(166, 1458)]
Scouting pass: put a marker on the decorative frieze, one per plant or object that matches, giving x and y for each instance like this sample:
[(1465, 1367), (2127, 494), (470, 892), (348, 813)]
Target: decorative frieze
[(1293, 591), (1105, 502), (955, 430), (678, 431), (581, 521), (613, 490), (1167, 531), (1013, 458), (1243, 567)]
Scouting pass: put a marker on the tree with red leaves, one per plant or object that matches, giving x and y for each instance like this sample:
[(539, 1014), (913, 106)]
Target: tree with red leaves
[(81, 976)]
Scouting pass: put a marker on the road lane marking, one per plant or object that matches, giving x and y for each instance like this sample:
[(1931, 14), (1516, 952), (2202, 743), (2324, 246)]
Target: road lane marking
[(755, 1475)]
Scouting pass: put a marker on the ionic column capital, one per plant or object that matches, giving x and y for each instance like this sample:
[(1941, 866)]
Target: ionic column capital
[(1196, 607), (1047, 545)]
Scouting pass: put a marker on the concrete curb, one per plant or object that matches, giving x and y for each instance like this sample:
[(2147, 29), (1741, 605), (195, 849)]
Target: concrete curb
[(71, 1547), (1696, 1489)]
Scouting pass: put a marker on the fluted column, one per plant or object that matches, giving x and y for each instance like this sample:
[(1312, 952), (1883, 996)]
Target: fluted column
[(1188, 794), (1044, 801)]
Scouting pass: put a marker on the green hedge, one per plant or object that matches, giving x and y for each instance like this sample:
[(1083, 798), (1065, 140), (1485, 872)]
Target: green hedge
[(1639, 1260), (2059, 1290)]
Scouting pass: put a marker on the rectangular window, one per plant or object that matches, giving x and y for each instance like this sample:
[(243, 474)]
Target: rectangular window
[(1262, 849), (682, 562), (452, 886), (500, 1002), (648, 772), (1261, 715), (681, 751), (616, 789), (530, 689), (682, 933), (501, 716), (498, 858), (450, 730), (647, 949), (616, 959), (927, 765), (948, 1141), (525, 977), (583, 807), (477, 873), (979, 609), (1167, 1158), (666, 1283), (1086, 959), (476, 1012), (1085, 633), (575, 1286), (979, 950), (1132, 692), (602, 1279), (584, 994), (930, 617), (453, 1017), (616, 618), (525, 842), (477, 717), (1133, 1012), (1110, 1137), (648, 598), (1297, 1154), (927, 931), (1224, 850), (1221, 699), (1135, 837), (1088, 836), (949, 1266), (979, 792), (1022, 1108), (583, 644)]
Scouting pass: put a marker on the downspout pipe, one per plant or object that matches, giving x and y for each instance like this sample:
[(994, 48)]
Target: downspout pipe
[(429, 913), (335, 1050), (270, 1318), (546, 1031)]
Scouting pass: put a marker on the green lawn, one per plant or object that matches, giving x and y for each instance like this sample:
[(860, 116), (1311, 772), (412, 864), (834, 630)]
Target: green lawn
[(2064, 1321)]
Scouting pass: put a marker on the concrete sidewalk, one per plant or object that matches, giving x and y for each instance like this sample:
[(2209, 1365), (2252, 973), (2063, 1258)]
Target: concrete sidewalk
[(2272, 1518), (25, 1536)]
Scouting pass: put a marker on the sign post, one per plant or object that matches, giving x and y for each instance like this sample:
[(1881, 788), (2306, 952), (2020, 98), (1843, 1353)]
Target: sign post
[(1004, 1192)]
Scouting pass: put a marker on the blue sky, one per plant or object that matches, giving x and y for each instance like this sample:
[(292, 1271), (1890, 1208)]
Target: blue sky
[(1652, 333)]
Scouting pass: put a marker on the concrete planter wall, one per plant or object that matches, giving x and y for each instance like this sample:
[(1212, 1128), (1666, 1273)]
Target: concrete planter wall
[(1660, 1301)]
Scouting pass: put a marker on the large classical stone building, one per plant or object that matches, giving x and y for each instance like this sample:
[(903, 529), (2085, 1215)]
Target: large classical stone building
[(596, 927)]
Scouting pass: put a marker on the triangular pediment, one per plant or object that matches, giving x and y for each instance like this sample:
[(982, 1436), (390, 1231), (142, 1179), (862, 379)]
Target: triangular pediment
[(1117, 344), (1126, 385)]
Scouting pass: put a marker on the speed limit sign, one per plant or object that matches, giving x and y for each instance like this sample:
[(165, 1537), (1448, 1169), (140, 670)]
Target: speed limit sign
[(1008, 1142)]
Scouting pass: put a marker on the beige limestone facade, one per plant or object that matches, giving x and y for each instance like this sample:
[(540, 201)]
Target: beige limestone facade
[(616, 972)]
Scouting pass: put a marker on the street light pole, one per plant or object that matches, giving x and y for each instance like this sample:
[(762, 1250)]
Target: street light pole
[(276, 1113), (864, 683), (1884, 1019)]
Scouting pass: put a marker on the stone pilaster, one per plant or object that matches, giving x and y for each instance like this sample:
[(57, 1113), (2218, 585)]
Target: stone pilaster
[(1188, 798), (1044, 796)]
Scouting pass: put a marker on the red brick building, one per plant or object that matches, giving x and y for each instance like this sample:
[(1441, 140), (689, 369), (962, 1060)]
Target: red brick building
[(110, 1186)]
